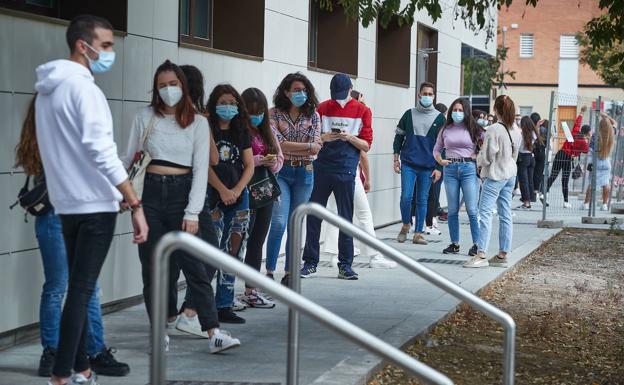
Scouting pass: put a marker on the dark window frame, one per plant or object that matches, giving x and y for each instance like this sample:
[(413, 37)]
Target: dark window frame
[(190, 39), (380, 55)]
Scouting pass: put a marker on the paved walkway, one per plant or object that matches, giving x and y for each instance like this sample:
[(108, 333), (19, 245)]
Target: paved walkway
[(392, 304)]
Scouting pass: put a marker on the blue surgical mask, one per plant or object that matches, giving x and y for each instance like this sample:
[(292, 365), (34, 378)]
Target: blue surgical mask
[(458, 116), (482, 122), (298, 98), (426, 101), (103, 63), (227, 111), (256, 119)]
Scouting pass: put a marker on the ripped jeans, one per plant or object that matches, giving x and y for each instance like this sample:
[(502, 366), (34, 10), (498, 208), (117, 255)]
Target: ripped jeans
[(231, 224)]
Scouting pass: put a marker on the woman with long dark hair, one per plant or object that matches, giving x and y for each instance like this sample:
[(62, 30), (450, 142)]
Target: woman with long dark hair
[(49, 233), (298, 128), (497, 160), (177, 139), (526, 162), (267, 155), (539, 154), (459, 139), (228, 195)]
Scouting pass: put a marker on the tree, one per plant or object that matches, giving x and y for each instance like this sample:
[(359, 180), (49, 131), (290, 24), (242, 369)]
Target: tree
[(606, 61), (481, 74), (477, 15)]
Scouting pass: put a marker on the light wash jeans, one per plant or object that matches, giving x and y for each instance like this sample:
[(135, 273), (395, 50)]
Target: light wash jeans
[(296, 184), (496, 194), (421, 178), (462, 176), (49, 234)]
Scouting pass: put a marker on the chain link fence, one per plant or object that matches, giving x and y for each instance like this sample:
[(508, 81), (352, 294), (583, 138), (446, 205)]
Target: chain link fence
[(583, 169)]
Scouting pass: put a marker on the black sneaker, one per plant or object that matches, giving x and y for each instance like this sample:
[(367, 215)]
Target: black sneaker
[(473, 250), (105, 364), (227, 316), (451, 249), (46, 362), (286, 280)]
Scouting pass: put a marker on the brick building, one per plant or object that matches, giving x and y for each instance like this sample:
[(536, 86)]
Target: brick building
[(544, 54)]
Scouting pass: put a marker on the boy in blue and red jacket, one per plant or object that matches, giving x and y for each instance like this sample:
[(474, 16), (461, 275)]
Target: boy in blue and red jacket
[(415, 137), (345, 131)]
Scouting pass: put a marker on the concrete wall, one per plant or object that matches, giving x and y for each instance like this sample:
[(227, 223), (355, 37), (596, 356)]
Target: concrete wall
[(153, 37)]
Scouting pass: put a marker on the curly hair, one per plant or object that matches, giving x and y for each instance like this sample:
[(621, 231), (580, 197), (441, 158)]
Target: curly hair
[(27, 150), (283, 103), (239, 125)]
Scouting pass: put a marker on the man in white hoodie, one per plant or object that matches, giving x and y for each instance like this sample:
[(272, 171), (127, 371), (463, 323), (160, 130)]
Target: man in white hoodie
[(85, 178)]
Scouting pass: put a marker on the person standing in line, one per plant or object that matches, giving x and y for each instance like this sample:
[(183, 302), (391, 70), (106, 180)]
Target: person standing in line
[(85, 179), (298, 128), (413, 144), (177, 139), (564, 157), (539, 153), (228, 194), (361, 213), (49, 233), (346, 131), (266, 154), (459, 140), (497, 160), (526, 161), (605, 141)]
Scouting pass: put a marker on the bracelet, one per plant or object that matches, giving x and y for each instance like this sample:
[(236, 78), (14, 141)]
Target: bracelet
[(136, 205)]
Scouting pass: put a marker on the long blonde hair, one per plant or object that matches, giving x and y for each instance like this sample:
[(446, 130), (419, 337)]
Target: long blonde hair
[(605, 138), (27, 150)]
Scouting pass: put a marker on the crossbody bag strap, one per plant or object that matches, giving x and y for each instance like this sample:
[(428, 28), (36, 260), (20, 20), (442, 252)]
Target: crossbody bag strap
[(147, 131), (509, 135)]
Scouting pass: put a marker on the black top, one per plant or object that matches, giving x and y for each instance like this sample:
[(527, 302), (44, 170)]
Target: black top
[(230, 167)]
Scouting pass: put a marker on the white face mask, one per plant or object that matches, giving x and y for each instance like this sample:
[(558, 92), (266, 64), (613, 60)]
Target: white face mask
[(171, 95), (343, 102)]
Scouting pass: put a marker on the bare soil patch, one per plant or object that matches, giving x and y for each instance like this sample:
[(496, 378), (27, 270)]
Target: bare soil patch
[(567, 299)]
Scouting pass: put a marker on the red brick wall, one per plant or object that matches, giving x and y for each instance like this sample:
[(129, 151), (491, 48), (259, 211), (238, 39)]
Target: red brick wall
[(547, 21)]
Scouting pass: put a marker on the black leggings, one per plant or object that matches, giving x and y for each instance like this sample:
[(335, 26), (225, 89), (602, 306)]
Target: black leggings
[(539, 154), (259, 224), (433, 202), (563, 163)]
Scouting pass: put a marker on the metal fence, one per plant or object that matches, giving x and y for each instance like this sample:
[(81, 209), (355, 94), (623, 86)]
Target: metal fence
[(575, 182)]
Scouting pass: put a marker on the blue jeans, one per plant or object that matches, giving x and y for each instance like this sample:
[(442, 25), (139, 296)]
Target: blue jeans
[(296, 184), (49, 232), (421, 179), (343, 187), (496, 193), (462, 176), (228, 221)]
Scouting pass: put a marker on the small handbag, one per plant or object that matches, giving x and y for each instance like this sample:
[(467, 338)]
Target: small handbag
[(36, 201), (136, 171), (578, 171), (263, 188)]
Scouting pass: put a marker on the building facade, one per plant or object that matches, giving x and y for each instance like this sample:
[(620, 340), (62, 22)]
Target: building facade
[(543, 51), (245, 43)]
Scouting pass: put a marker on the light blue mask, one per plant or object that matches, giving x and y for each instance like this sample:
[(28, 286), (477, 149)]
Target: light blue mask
[(103, 63), (426, 101), (227, 111), (256, 119), (482, 122), (298, 98), (457, 116)]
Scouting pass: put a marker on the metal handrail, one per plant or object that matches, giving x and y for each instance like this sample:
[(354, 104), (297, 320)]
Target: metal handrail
[(209, 254), (296, 224)]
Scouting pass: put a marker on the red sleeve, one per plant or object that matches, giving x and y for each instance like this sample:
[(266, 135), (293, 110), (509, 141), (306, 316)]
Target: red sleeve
[(366, 133), (321, 109), (577, 125), (581, 145)]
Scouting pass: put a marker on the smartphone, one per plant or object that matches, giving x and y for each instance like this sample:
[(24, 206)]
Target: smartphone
[(270, 157), (336, 130)]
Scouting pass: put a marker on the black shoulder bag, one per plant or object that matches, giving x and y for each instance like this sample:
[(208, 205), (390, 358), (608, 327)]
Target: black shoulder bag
[(263, 188), (35, 201)]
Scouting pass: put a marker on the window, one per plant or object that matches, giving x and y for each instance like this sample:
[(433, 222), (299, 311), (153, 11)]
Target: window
[(393, 53), (333, 40), (426, 56), (525, 110), (568, 48), (115, 11), (228, 25), (526, 45)]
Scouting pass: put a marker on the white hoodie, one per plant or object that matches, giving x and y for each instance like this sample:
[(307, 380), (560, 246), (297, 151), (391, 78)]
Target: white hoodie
[(75, 137)]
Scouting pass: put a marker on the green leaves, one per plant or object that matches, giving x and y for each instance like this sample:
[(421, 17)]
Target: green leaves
[(605, 58)]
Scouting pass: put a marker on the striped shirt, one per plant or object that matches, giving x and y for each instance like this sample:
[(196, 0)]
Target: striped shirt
[(306, 129)]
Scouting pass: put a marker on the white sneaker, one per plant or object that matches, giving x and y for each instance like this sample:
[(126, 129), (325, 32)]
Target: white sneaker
[(567, 205), (604, 208), (190, 325), (238, 305), (379, 262), (432, 231), (585, 206), (477, 261), (80, 379), (222, 340), (171, 325)]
